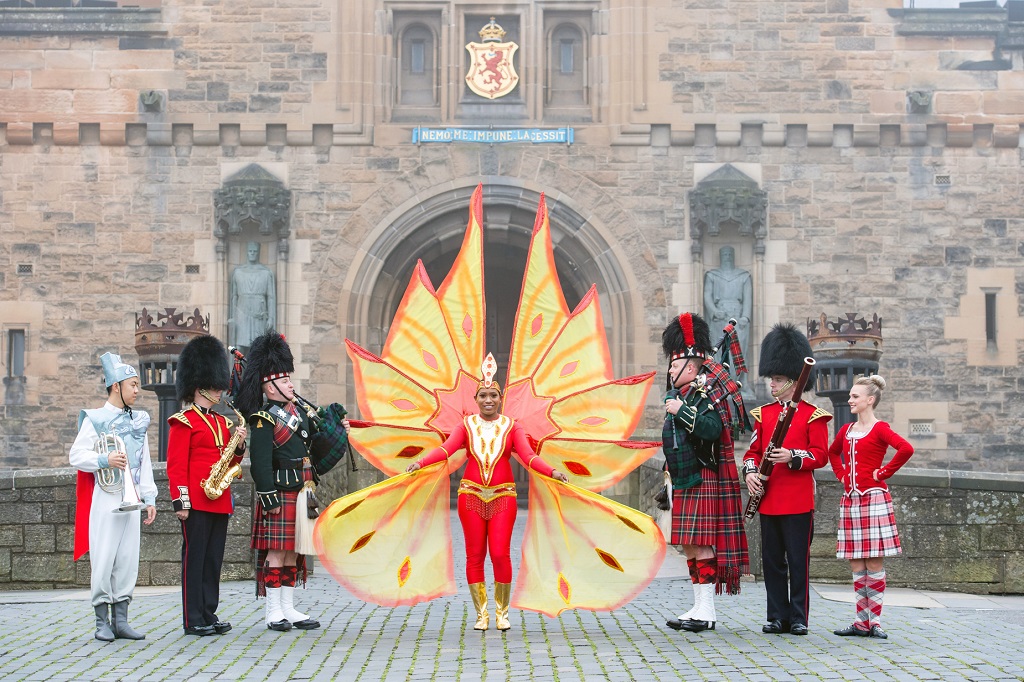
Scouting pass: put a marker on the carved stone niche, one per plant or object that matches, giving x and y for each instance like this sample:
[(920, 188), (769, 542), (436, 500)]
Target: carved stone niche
[(728, 196), (252, 201)]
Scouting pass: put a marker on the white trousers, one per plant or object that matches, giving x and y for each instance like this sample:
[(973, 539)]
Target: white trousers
[(113, 549)]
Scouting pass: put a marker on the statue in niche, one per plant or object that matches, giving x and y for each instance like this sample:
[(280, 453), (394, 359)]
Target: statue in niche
[(728, 293), (252, 300)]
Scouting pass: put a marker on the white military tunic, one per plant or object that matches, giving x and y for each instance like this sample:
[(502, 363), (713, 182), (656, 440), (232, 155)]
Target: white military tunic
[(114, 538)]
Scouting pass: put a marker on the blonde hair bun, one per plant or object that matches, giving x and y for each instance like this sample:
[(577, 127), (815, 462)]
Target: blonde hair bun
[(877, 381)]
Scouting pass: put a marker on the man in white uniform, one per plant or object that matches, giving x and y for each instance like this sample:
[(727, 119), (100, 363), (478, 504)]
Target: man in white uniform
[(111, 537)]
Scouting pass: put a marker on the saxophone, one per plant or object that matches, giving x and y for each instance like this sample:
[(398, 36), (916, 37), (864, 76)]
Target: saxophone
[(223, 472)]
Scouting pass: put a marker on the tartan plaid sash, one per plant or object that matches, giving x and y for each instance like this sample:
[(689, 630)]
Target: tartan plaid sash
[(281, 431)]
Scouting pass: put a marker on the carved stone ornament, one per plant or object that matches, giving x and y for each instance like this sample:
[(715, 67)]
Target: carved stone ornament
[(252, 196), (492, 70), (169, 334), (849, 337), (728, 196)]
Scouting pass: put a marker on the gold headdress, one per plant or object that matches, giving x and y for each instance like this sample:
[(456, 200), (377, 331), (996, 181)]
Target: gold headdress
[(489, 369)]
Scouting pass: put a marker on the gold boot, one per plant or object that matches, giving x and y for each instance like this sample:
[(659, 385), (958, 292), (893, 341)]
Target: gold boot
[(478, 591), (502, 596)]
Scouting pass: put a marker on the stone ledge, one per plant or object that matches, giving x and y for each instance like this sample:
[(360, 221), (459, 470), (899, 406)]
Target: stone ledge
[(839, 135), (121, 21), (942, 478), (950, 22)]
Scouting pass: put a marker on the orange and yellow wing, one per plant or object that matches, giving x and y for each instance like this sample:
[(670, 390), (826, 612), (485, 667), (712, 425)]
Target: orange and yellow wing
[(390, 544), (583, 551)]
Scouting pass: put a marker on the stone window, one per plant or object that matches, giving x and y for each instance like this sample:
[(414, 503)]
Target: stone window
[(15, 352), (416, 58), (567, 45)]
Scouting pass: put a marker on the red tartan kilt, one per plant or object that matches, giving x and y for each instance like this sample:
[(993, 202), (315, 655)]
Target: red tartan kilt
[(867, 526), (275, 531), (695, 511)]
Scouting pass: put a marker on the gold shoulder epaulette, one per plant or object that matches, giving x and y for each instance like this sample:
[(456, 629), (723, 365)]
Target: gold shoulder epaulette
[(756, 414), (818, 414), (265, 416), (180, 416)]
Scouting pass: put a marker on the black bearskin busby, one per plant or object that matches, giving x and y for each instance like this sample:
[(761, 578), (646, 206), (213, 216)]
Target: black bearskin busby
[(783, 351), (269, 357), (203, 363), (687, 336)]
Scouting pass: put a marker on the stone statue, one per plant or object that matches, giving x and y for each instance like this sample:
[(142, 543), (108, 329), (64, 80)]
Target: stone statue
[(728, 294), (253, 299)]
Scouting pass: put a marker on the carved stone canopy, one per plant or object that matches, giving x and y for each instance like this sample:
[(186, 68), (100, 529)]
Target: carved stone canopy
[(728, 196), (252, 197)]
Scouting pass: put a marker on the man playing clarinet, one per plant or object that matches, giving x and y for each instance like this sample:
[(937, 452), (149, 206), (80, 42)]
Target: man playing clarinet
[(787, 508)]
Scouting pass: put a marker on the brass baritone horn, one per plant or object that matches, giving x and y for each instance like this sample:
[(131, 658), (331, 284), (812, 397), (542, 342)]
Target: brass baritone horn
[(115, 480)]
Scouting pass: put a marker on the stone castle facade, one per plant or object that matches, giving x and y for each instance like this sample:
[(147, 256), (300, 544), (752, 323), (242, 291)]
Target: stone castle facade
[(860, 158)]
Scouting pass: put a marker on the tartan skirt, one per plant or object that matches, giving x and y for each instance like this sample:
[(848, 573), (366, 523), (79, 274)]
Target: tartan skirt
[(867, 526), (275, 531), (696, 511)]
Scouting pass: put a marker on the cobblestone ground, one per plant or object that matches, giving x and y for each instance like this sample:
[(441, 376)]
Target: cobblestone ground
[(53, 641)]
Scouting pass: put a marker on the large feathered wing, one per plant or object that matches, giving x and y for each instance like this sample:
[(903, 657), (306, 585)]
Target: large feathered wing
[(390, 544), (583, 551)]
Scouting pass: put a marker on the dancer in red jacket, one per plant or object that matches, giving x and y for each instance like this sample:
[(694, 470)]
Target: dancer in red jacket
[(867, 524), (487, 492)]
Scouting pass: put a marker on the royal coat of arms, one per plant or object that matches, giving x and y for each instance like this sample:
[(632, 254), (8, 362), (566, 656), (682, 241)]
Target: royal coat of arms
[(492, 73)]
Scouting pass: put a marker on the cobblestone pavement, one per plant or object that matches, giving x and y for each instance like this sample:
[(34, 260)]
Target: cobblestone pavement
[(959, 638)]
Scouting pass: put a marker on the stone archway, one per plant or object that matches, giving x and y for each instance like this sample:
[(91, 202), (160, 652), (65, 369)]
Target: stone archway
[(431, 229)]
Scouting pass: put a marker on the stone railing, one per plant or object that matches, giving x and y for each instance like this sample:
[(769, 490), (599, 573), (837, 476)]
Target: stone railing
[(37, 528), (961, 531)]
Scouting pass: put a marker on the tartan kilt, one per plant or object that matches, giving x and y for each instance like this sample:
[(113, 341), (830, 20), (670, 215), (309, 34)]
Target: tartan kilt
[(696, 511), (867, 526), (275, 531)]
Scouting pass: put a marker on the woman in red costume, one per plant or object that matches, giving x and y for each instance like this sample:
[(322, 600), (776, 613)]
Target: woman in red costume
[(867, 524), (487, 493)]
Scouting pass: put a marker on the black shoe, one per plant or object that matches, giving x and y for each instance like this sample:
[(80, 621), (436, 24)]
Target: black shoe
[(221, 627), (692, 625), (307, 624), (798, 629), (200, 630), (675, 624), (774, 627), (877, 632), (280, 626), (853, 631)]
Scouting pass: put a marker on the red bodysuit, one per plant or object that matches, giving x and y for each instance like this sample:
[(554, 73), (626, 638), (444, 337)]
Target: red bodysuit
[(487, 492)]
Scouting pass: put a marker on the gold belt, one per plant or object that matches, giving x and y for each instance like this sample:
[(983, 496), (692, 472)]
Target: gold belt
[(486, 493)]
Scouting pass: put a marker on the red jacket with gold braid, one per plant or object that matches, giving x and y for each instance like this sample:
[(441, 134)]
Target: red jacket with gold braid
[(194, 443), (790, 487)]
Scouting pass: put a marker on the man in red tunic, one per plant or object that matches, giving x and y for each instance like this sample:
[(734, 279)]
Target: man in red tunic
[(787, 509), (195, 440)]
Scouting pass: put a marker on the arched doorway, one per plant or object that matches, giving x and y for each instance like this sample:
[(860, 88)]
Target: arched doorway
[(432, 229)]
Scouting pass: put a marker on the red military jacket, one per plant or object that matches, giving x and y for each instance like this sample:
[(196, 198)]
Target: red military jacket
[(790, 487), (194, 444)]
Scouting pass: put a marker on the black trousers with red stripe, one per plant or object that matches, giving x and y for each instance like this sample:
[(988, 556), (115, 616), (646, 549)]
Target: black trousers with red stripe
[(785, 560), (203, 536)]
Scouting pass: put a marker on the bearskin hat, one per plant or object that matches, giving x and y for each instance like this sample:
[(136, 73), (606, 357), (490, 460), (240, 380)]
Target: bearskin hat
[(269, 358), (783, 351), (687, 336), (203, 363)]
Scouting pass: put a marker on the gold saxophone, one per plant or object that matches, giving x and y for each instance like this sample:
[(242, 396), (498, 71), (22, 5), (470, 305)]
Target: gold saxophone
[(223, 472)]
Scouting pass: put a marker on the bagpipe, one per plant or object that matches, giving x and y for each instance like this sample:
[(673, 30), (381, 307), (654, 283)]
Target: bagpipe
[(329, 442)]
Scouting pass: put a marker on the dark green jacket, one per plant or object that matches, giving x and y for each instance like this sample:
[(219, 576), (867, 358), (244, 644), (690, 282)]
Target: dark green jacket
[(273, 467), (690, 444)]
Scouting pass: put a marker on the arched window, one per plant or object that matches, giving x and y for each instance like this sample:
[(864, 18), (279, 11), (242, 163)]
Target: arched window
[(417, 67), (566, 66)]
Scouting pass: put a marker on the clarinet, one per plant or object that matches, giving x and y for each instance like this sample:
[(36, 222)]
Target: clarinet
[(778, 436)]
